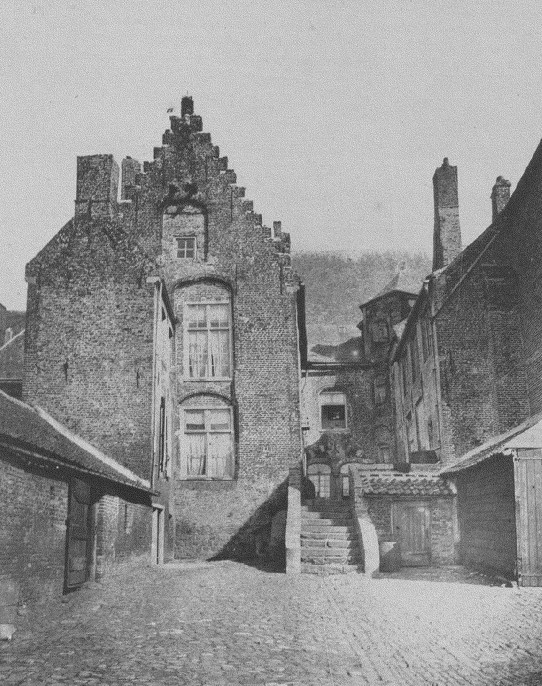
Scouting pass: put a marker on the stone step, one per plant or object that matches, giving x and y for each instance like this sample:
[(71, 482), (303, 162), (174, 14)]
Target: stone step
[(325, 570), (326, 522), (325, 515), (317, 558), (327, 530), (327, 544), (325, 533)]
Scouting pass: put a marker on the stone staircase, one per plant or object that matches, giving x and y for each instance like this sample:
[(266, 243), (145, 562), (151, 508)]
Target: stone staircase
[(328, 538)]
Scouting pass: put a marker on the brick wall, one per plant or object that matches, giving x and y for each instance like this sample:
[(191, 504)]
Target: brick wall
[(442, 532), (486, 511), (90, 321), (33, 511)]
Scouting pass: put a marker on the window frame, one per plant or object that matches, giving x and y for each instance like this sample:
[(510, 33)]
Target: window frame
[(208, 330), (322, 404), (194, 242), (323, 479), (206, 432)]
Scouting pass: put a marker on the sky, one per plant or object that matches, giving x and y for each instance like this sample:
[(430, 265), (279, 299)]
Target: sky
[(333, 113)]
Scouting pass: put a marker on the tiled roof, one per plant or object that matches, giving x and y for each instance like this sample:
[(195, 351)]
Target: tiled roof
[(33, 430), (397, 483)]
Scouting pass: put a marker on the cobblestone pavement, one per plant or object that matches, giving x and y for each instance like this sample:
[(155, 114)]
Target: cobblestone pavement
[(223, 623)]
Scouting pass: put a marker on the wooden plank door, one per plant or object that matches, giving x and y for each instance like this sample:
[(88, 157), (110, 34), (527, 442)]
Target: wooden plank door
[(528, 487), (412, 526), (78, 534)]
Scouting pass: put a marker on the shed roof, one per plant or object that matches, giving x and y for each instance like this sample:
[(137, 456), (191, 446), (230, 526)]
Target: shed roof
[(32, 429), (528, 434)]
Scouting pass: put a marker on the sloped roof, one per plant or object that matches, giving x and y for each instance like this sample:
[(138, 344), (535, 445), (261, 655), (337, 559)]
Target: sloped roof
[(32, 429), (402, 282), (12, 357), (528, 434), (398, 483)]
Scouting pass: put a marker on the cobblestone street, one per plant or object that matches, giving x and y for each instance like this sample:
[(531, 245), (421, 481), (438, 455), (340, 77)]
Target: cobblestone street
[(226, 623)]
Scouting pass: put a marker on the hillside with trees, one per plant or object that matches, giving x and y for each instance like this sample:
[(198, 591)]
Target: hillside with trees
[(336, 284)]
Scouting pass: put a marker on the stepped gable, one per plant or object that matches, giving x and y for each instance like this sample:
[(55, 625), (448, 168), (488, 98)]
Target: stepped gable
[(397, 483)]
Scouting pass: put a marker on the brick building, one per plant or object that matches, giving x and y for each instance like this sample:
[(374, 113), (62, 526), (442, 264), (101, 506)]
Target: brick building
[(162, 328), (68, 511)]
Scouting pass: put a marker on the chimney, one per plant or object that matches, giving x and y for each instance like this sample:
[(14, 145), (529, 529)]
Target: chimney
[(97, 186), (500, 195), (447, 234), (187, 106)]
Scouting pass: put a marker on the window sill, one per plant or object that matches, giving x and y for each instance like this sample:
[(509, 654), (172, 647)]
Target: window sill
[(335, 431)]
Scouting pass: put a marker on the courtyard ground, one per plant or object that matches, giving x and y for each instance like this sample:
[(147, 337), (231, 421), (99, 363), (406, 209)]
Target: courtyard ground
[(225, 623)]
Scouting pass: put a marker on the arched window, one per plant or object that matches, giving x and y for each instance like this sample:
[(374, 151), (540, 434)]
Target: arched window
[(205, 311), (206, 438), (320, 475), (345, 480), (332, 410)]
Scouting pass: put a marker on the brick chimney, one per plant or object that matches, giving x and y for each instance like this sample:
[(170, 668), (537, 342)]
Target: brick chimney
[(500, 195), (187, 106), (447, 233)]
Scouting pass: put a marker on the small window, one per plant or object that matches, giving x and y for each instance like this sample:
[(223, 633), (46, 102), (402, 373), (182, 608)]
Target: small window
[(320, 475), (186, 248), (332, 410)]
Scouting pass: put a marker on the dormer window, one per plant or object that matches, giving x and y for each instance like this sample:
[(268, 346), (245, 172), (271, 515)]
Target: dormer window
[(186, 247)]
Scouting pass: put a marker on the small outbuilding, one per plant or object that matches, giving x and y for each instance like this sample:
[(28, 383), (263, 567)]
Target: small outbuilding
[(499, 501), (67, 511)]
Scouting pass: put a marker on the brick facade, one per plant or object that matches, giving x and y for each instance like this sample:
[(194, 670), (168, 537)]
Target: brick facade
[(183, 231)]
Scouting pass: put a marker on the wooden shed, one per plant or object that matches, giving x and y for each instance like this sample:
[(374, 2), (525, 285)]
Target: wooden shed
[(499, 501)]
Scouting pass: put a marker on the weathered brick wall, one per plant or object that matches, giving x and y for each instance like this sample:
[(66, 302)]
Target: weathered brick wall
[(487, 520), (442, 533), (33, 511), (89, 339), (90, 318), (134, 530)]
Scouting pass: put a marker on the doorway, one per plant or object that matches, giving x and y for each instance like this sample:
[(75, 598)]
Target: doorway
[(411, 525), (157, 547), (78, 534)]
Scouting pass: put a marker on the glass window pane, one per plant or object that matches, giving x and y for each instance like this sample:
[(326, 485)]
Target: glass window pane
[(197, 317), (220, 456), (194, 420), (219, 315), (219, 420), (195, 454), (197, 354), (333, 417)]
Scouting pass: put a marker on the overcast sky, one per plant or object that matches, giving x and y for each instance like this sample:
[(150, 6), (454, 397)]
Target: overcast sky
[(334, 114)]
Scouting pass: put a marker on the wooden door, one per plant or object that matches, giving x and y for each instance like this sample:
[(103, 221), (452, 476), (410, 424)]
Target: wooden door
[(78, 534), (412, 526), (528, 487)]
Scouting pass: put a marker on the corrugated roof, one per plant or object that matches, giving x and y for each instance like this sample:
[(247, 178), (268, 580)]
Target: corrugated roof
[(528, 434), (398, 483), (31, 428)]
